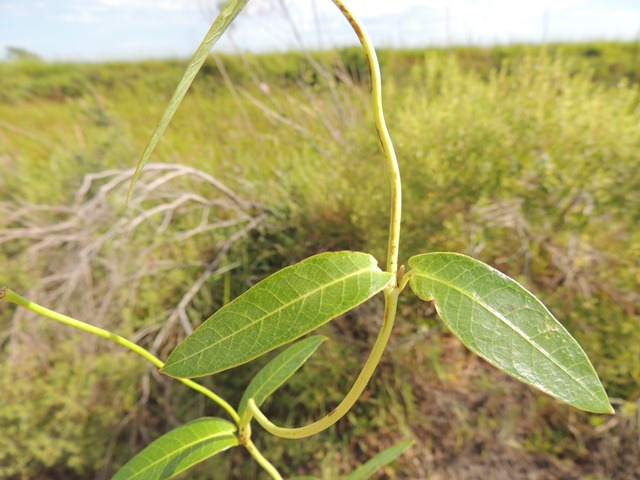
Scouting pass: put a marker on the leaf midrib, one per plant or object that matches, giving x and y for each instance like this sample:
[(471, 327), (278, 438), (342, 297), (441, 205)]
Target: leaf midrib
[(510, 325), (277, 310)]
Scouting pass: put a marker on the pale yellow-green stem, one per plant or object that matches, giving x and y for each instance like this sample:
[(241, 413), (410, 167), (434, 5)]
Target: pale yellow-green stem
[(391, 303), (385, 140), (11, 296), (263, 462), (392, 291)]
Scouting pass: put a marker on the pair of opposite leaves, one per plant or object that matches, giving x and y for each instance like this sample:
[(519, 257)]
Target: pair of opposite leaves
[(493, 315)]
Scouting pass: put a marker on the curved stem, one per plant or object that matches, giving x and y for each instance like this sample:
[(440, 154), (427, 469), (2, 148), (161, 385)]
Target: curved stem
[(11, 296), (391, 303), (385, 140), (216, 398), (392, 291), (264, 463)]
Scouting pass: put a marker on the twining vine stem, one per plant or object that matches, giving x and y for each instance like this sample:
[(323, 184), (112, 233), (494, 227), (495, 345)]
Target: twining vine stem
[(262, 461), (11, 296), (391, 302), (385, 140), (392, 291)]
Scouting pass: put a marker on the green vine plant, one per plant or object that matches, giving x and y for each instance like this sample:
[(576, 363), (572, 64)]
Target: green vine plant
[(490, 313)]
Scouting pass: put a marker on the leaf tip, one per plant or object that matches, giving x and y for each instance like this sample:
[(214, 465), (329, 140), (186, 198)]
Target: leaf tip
[(600, 404), (609, 410), (128, 197)]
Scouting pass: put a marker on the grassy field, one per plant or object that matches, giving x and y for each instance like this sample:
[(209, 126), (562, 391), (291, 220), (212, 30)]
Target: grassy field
[(524, 157)]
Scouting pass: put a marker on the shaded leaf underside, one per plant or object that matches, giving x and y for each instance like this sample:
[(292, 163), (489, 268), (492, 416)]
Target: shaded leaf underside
[(278, 371)]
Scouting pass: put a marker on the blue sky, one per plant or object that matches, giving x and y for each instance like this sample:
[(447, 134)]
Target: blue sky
[(95, 30)]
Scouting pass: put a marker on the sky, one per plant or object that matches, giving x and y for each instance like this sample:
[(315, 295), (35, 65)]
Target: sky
[(99, 30)]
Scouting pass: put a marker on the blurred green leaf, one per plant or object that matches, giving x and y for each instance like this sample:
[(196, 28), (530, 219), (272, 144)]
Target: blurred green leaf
[(278, 371), (498, 319), (180, 449), (279, 309), (376, 463), (228, 13)]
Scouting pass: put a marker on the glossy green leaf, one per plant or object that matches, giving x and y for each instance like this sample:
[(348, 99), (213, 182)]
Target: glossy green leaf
[(498, 319), (180, 449), (279, 309), (278, 371), (228, 13), (376, 463)]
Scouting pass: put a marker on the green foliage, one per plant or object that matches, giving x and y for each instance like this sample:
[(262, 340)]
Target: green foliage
[(180, 449), (278, 371), (227, 14), (57, 415), (383, 458), (506, 325), (281, 308), (547, 351), (542, 146), (30, 80)]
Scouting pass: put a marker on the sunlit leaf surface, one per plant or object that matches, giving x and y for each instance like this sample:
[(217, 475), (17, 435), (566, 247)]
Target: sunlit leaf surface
[(281, 308), (498, 319)]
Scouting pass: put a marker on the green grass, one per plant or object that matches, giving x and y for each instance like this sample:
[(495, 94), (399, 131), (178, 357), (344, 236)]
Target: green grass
[(524, 157)]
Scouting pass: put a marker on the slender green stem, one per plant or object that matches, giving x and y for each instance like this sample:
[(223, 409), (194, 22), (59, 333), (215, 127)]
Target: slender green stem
[(216, 398), (10, 296), (264, 463), (385, 140), (392, 291), (391, 303)]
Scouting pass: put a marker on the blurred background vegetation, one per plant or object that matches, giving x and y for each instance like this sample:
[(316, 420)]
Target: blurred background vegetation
[(524, 157)]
